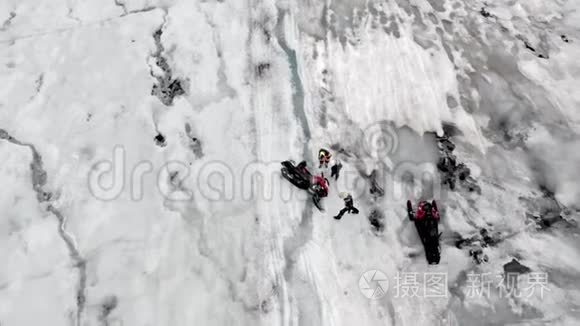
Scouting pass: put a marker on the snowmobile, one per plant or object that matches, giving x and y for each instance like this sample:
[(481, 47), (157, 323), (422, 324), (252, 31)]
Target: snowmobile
[(300, 177), (427, 224)]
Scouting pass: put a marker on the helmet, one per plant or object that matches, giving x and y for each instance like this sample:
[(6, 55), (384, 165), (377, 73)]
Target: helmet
[(324, 153)]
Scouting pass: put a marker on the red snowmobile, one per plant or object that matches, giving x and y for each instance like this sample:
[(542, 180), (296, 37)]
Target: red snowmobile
[(299, 176), (427, 223), (318, 189)]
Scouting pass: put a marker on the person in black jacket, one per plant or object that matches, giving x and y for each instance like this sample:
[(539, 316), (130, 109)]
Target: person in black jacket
[(335, 170), (348, 206)]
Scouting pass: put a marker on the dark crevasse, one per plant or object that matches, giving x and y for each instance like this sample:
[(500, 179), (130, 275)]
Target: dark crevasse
[(310, 310), (298, 88)]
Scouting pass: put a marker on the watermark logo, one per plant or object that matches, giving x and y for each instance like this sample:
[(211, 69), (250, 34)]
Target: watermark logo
[(370, 169), (373, 284), (218, 181), (380, 140), (427, 285), (506, 285)]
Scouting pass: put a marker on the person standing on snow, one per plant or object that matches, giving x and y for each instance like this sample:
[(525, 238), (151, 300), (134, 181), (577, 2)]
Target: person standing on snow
[(335, 170), (320, 185), (425, 212), (348, 205), (319, 189), (427, 224), (324, 158)]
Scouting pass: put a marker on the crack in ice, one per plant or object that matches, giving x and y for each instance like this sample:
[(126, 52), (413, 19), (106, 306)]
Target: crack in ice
[(298, 93), (126, 12), (304, 231), (39, 178), (223, 84), (122, 5), (8, 21)]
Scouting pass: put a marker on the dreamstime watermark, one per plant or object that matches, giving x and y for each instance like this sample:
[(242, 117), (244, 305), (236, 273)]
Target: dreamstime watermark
[(222, 181), (380, 140), (227, 181)]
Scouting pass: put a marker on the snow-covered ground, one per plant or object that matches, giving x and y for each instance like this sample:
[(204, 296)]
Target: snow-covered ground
[(141, 140)]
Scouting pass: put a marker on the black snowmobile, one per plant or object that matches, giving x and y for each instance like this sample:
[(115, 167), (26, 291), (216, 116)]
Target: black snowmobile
[(427, 224), (299, 176)]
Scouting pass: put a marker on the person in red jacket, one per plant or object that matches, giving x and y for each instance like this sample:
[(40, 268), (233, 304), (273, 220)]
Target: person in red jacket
[(324, 157), (319, 189), (427, 223), (320, 185), (425, 210)]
